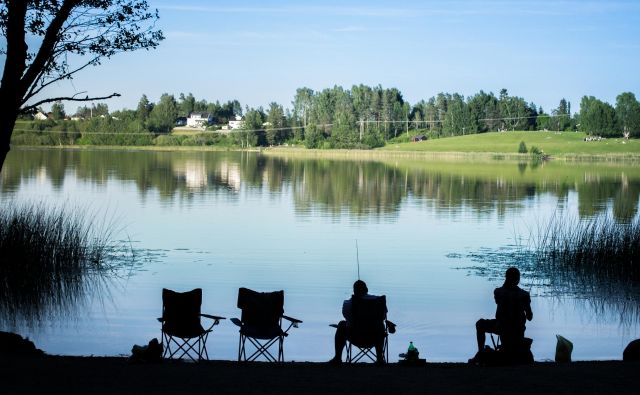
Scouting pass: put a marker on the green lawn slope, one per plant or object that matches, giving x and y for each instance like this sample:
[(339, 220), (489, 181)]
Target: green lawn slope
[(551, 143)]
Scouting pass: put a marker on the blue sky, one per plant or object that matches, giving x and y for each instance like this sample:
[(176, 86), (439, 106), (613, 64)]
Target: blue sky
[(261, 51)]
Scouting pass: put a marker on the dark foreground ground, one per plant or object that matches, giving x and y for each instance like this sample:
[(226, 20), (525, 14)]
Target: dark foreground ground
[(63, 375)]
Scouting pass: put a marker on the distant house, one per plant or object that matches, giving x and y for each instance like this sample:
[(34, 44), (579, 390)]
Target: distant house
[(181, 121), (419, 137), (235, 123), (199, 119), (40, 116)]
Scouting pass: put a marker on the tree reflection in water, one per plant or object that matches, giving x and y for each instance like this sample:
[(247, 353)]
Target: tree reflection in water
[(365, 188), (368, 190)]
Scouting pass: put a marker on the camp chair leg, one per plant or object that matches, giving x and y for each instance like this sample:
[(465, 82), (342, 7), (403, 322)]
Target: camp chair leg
[(240, 348), (172, 348), (496, 342), (366, 352), (386, 350), (261, 349)]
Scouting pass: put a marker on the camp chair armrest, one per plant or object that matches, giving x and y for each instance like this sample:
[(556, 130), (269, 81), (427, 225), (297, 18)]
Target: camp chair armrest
[(213, 317), (391, 327), (334, 325), (236, 321), (292, 320)]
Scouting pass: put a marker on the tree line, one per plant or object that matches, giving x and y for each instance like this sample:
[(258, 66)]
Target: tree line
[(360, 117)]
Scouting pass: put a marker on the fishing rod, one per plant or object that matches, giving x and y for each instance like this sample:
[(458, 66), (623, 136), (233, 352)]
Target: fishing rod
[(358, 259)]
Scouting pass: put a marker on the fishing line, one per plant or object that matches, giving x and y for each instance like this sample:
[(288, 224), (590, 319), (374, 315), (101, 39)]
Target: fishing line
[(358, 259)]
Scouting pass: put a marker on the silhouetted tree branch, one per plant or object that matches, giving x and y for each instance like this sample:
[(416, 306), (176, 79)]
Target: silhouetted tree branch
[(69, 36), (35, 105)]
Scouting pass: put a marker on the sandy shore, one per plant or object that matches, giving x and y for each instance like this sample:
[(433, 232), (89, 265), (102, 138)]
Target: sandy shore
[(94, 375)]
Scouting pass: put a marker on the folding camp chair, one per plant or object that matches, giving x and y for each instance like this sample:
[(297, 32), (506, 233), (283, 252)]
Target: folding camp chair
[(368, 324), (514, 350), (497, 344), (261, 324), (182, 332)]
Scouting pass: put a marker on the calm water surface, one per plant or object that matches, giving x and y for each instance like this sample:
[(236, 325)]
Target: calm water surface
[(220, 221)]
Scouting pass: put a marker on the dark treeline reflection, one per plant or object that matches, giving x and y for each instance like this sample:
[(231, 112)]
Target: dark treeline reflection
[(356, 188)]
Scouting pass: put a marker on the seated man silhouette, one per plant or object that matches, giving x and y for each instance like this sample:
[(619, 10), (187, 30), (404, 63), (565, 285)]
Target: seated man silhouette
[(346, 330), (513, 309)]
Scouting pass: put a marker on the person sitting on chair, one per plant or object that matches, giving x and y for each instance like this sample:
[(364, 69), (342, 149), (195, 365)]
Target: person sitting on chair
[(513, 309), (345, 328)]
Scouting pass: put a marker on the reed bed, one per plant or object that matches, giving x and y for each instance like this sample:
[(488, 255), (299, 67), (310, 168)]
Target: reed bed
[(51, 259), (595, 260), (592, 263), (600, 248)]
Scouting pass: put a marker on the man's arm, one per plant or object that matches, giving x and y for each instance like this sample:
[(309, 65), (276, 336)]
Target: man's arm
[(527, 308), (346, 310)]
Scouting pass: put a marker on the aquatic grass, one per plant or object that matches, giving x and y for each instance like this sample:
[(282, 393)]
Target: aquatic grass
[(595, 261), (590, 262), (599, 248), (51, 259)]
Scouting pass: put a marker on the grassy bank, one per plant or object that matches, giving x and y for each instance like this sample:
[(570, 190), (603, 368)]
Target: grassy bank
[(564, 144)]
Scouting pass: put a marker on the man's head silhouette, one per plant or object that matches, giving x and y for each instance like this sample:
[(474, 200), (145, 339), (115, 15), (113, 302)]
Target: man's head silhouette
[(360, 288), (512, 277)]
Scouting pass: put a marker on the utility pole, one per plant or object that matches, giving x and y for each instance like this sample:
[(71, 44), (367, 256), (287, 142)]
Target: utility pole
[(406, 124)]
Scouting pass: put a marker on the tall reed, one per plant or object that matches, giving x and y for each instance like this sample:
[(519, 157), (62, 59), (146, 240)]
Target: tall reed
[(600, 248), (596, 260), (51, 258)]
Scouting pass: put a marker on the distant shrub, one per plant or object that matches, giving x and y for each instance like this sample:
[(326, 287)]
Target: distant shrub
[(402, 138), (536, 151), (203, 139), (165, 140), (522, 149), (47, 132)]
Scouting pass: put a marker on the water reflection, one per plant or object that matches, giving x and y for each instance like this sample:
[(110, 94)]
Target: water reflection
[(356, 188), (222, 220)]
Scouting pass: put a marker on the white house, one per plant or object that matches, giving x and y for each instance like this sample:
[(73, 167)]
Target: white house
[(235, 123), (40, 116), (198, 119)]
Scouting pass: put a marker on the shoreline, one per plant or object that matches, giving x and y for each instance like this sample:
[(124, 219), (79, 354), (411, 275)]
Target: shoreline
[(57, 374), (374, 154)]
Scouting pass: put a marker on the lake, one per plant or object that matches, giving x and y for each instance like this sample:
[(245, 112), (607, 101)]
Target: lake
[(432, 235)]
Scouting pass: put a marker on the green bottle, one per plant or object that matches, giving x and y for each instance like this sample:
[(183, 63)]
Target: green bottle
[(411, 348)]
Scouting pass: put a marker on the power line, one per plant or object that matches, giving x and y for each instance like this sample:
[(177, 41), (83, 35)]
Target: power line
[(481, 119), (148, 133), (293, 127), (82, 133)]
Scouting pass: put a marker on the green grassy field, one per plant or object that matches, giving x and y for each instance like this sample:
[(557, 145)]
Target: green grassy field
[(552, 143)]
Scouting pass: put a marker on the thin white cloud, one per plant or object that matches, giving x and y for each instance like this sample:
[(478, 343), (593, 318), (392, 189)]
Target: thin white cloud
[(451, 8), (349, 29), (296, 10), (186, 35)]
